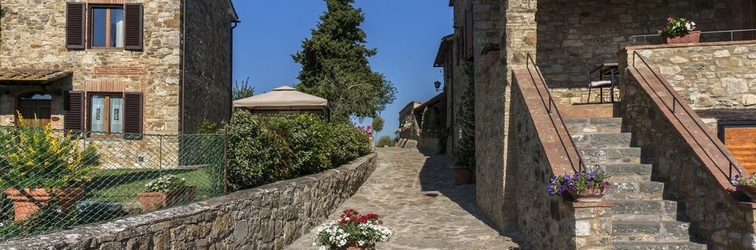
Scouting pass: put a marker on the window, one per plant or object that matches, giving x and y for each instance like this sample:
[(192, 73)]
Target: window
[(104, 26), (107, 27), (106, 113)]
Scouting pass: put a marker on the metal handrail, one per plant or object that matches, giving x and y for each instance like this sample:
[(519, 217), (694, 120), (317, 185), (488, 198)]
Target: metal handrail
[(676, 101), (633, 39), (552, 109)]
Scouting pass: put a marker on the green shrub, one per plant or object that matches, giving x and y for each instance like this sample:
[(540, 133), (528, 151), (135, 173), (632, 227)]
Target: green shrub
[(385, 141), (348, 143), (34, 157), (308, 139), (257, 154), (267, 149)]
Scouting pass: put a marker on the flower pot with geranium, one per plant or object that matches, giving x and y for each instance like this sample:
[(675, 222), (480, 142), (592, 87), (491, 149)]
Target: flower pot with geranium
[(166, 191), (584, 186), (43, 169), (679, 30), (746, 185), (352, 232)]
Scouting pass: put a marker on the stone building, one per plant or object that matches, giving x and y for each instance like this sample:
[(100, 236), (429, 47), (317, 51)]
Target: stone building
[(117, 66), (565, 40)]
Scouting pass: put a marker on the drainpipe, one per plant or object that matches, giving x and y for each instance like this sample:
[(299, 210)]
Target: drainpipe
[(182, 82), (231, 70)]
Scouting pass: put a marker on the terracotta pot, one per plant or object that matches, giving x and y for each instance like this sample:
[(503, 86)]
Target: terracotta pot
[(491, 57), (591, 194), (355, 246), (692, 37), (24, 207), (749, 191), (461, 175), (151, 201)]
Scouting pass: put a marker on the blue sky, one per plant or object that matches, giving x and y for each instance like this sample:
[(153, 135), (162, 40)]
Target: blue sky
[(406, 34)]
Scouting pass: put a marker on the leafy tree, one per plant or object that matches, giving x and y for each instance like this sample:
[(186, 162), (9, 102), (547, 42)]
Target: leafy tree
[(385, 141), (243, 90), (335, 65), (377, 124)]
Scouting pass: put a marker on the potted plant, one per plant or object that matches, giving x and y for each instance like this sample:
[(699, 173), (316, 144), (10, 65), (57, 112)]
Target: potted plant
[(165, 191), (352, 232), (42, 168), (490, 53), (679, 30), (746, 185), (584, 186), (464, 153)]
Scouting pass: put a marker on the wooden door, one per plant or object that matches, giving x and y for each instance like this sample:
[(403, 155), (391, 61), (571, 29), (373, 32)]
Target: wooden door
[(31, 108), (741, 141)]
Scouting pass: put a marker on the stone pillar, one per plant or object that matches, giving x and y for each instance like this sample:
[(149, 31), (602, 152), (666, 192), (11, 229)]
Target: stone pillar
[(516, 27), (490, 99), (593, 225)]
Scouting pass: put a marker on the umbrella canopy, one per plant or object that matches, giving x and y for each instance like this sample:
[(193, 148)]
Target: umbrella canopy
[(282, 98)]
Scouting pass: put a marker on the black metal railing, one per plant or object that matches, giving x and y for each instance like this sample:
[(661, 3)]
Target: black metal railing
[(648, 37), (551, 108), (677, 104)]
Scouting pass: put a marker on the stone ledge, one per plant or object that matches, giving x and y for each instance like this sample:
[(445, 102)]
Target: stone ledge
[(657, 46), (575, 204), (749, 205)]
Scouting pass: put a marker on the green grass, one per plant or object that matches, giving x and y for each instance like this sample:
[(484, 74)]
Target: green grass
[(122, 185)]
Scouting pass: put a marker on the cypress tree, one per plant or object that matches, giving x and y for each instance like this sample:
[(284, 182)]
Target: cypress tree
[(335, 65)]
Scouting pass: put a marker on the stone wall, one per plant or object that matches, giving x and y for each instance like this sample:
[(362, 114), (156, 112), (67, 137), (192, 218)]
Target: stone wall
[(206, 92), (716, 79), (547, 221), (573, 33), (34, 37), (267, 217), (407, 115), (689, 164)]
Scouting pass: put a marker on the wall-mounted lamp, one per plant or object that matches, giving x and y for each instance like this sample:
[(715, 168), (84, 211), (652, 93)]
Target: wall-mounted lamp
[(437, 84)]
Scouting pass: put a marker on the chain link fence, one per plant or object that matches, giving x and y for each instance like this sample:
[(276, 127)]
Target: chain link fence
[(54, 180)]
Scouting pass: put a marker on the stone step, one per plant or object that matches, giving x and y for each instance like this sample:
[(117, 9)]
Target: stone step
[(589, 110), (602, 140), (594, 125), (645, 210), (628, 172), (639, 190), (592, 156), (666, 245), (645, 231)]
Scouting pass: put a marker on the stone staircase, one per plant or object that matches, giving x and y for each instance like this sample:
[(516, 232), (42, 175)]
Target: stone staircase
[(642, 219)]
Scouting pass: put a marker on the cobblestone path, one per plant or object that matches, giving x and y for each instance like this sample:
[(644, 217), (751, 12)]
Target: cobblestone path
[(416, 197)]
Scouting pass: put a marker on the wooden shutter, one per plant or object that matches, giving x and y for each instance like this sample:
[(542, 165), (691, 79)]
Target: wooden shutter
[(469, 33), (76, 25), (133, 23), (73, 106), (132, 116)]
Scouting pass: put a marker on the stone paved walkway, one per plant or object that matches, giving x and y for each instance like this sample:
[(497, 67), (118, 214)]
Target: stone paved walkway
[(416, 197)]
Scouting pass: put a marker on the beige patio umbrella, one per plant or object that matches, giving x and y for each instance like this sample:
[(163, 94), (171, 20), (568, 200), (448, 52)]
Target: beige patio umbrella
[(283, 98)]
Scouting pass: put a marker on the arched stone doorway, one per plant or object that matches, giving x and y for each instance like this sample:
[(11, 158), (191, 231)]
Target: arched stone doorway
[(35, 107)]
